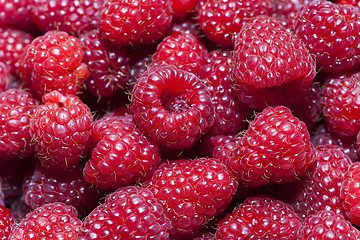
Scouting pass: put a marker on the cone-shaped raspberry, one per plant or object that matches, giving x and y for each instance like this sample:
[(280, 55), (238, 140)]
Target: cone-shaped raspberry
[(60, 130), (129, 213)]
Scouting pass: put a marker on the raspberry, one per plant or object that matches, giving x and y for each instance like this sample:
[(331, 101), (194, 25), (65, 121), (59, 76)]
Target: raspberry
[(322, 25), (129, 213), (134, 22), (122, 155), (271, 66), (73, 17), (16, 110), (50, 221), (274, 148), (53, 62), (192, 192), (349, 2), (16, 12), (182, 7), (60, 130), (5, 77), (260, 217), (6, 223), (327, 225), (221, 20), (172, 106), (181, 50), (108, 65), (210, 142), (187, 24)]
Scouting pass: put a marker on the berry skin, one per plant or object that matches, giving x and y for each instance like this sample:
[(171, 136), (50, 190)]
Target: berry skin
[(274, 148), (271, 66), (60, 130), (134, 22), (181, 50), (192, 192), (6, 223), (260, 217), (326, 224), (73, 17), (56, 221), (129, 213), (16, 110), (172, 106), (222, 20), (53, 62), (322, 26), (108, 65)]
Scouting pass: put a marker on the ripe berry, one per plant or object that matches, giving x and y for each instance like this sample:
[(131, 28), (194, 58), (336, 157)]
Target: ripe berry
[(5, 77), (7, 223), (17, 13)]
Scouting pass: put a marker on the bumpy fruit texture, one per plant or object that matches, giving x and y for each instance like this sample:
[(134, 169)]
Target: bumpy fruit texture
[(260, 217), (172, 106), (322, 25), (192, 192), (271, 66), (7, 223), (16, 12), (134, 22), (129, 213), (60, 130)]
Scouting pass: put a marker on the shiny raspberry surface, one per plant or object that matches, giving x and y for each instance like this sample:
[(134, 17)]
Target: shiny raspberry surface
[(7, 223)]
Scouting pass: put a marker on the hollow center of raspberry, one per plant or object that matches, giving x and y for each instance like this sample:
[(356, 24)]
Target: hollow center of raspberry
[(174, 103), (61, 104)]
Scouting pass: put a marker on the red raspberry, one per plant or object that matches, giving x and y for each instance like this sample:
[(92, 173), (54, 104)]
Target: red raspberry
[(275, 148), (327, 225), (271, 66), (229, 112), (210, 142), (192, 192), (133, 22), (108, 65), (5, 77), (16, 12), (50, 221), (183, 7), (260, 217), (187, 24), (53, 62), (16, 110), (73, 17), (349, 2), (181, 50), (60, 130), (221, 20), (6, 223), (172, 106), (322, 25), (122, 156), (129, 213)]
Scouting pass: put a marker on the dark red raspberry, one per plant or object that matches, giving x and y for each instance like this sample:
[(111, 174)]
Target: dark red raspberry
[(7, 223), (73, 17), (108, 65), (53, 62), (322, 25), (276, 148), (129, 213), (187, 24), (221, 20), (172, 106), (50, 221), (192, 192), (260, 217), (16, 110), (5, 77), (181, 50), (327, 225), (134, 22), (230, 113), (19, 209), (60, 130), (271, 66), (122, 156)]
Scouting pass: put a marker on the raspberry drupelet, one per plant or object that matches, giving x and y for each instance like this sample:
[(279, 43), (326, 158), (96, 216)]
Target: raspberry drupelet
[(7, 223)]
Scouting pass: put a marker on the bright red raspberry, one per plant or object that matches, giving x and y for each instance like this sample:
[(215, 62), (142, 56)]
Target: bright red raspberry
[(327, 225), (53, 62), (73, 17), (172, 106), (108, 65), (222, 20), (271, 66), (322, 25), (276, 148), (260, 217), (134, 22), (129, 213), (192, 192), (60, 130), (16, 110), (7, 223), (122, 156), (50, 221)]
